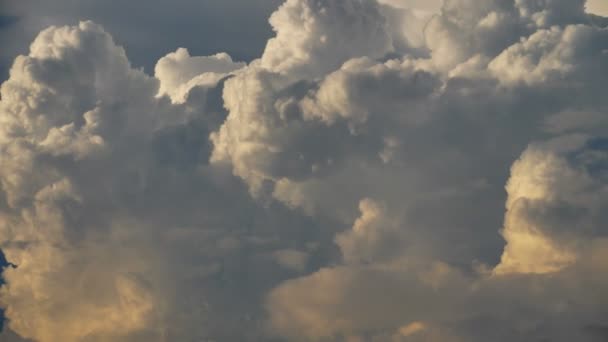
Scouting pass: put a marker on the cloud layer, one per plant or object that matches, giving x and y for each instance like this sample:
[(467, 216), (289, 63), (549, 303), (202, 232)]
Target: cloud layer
[(379, 173)]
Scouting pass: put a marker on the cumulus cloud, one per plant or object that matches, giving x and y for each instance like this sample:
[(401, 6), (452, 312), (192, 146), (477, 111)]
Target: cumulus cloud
[(104, 184), (556, 193), (314, 37), (56, 111), (178, 72), (379, 173)]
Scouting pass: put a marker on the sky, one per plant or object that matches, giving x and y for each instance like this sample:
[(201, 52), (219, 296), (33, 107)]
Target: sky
[(304, 170)]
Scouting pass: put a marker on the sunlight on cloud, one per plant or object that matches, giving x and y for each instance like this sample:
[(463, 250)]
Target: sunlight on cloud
[(599, 7)]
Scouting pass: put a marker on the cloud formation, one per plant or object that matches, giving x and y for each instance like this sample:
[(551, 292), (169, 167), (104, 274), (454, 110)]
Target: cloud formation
[(377, 174)]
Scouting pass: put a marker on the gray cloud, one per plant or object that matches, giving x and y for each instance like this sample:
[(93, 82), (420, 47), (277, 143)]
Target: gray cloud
[(377, 174)]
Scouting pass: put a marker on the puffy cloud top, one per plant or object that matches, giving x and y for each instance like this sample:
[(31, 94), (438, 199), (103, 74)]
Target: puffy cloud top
[(178, 72), (317, 36)]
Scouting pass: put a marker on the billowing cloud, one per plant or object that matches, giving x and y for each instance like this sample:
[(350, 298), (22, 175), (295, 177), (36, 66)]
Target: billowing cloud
[(554, 210), (104, 185), (178, 72), (314, 37), (384, 171)]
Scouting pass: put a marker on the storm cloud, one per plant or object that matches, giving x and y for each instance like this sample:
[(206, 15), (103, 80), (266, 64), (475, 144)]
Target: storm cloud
[(377, 171)]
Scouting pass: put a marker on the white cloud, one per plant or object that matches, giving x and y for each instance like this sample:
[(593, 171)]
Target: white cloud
[(548, 55), (314, 37), (178, 72)]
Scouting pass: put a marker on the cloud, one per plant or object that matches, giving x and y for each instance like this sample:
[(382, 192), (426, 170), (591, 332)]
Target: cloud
[(178, 72), (54, 115), (314, 37), (110, 211), (371, 238), (292, 259), (575, 49), (553, 208), (160, 27), (377, 174)]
